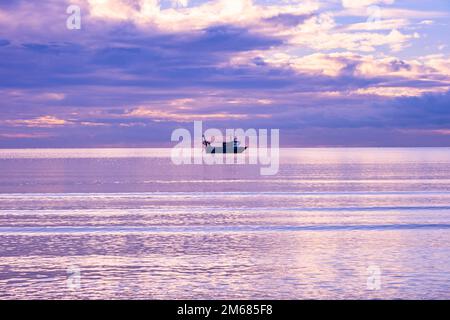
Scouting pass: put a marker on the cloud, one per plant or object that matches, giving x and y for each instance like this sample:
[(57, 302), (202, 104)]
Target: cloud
[(429, 111), (160, 115), (35, 135), (364, 3), (426, 22), (431, 73), (383, 12), (52, 96), (384, 24), (321, 32), (145, 13), (40, 122), (138, 69), (400, 91)]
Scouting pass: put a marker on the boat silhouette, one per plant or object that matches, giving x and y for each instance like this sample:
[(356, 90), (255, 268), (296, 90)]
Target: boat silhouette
[(225, 147)]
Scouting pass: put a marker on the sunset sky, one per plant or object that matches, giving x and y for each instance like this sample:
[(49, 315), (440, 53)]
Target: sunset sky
[(326, 73)]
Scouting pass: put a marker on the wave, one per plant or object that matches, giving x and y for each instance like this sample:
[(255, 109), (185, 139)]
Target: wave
[(203, 209), (215, 229), (218, 193)]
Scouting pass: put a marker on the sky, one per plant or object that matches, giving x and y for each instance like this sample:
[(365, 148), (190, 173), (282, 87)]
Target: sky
[(353, 73)]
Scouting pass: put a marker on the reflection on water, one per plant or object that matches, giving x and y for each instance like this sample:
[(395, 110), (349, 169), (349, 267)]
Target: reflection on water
[(136, 226)]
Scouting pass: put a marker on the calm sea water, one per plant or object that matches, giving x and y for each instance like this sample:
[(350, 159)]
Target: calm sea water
[(128, 224)]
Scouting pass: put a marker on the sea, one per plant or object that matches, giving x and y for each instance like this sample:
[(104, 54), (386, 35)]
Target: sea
[(333, 223)]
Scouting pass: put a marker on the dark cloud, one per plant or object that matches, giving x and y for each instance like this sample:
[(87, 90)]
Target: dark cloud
[(290, 20), (428, 111), (398, 65)]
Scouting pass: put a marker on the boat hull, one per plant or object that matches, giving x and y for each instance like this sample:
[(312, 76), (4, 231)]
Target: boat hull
[(222, 150)]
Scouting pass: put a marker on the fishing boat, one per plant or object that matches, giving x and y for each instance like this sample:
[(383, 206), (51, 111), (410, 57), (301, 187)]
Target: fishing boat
[(225, 147)]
